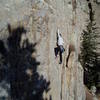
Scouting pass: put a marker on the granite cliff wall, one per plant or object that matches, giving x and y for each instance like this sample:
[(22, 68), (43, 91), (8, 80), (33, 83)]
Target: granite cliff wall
[(41, 18)]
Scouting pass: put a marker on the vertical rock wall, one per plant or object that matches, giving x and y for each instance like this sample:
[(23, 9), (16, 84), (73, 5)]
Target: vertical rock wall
[(41, 18)]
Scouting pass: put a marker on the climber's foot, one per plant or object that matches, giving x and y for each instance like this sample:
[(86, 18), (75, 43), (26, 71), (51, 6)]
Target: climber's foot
[(55, 57), (60, 62)]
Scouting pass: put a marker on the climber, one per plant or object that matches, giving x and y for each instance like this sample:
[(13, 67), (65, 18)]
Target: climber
[(59, 47)]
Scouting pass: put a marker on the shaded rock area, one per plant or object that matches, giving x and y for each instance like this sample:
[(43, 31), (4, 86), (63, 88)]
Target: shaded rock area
[(28, 66), (19, 69), (89, 96)]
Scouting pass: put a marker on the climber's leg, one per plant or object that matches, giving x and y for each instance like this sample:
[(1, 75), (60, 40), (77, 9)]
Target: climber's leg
[(62, 49), (56, 50), (60, 57), (60, 53)]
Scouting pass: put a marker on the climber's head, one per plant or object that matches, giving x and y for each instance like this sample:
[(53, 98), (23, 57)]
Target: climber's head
[(60, 34)]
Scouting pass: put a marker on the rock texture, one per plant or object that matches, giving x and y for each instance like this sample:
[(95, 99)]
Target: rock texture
[(41, 18)]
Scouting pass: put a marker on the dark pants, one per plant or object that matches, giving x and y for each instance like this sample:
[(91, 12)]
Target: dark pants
[(60, 50)]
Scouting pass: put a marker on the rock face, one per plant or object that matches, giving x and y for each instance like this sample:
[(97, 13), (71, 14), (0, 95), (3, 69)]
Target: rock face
[(41, 19)]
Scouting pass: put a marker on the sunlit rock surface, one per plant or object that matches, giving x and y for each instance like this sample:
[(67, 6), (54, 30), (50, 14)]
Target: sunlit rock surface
[(41, 18)]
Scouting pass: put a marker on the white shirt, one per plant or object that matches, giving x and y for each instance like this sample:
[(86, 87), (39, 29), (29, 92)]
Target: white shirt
[(60, 40)]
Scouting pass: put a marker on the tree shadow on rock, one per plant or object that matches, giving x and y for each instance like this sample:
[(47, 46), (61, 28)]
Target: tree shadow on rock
[(25, 82)]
